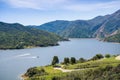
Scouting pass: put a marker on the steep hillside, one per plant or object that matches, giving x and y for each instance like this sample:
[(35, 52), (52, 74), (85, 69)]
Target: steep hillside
[(109, 26), (17, 36), (113, 38), (101, 26)]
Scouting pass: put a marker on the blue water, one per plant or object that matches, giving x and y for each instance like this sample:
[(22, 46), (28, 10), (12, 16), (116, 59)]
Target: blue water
[(13, 63)]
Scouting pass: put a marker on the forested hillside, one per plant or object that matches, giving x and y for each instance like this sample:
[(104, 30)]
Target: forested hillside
[(17, 36), (100, 27)]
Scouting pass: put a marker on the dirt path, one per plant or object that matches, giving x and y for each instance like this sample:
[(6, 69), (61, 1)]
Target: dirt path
[(67, 70), (118, 57)]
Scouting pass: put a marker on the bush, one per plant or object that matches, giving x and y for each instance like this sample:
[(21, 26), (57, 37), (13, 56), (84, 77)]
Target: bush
[(107, 55), (81, 60), (34, 71), (98, 56), (73, 60)]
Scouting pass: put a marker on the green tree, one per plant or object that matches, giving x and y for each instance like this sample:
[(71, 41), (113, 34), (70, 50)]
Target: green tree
[(66, 60), (73, 60), (97, 56), (82, 60), (107, 55), (55, 60)]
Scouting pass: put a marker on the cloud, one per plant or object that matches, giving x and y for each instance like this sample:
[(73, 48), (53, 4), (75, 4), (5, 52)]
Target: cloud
[(95, 6), (35, 4), (73, 5)]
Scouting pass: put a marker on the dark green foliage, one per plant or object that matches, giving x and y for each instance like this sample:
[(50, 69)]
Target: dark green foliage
[(55, 60), (66, 60), (72, 60), (35, 72), (97, 56), (107, 55), (81, 60), (55, 78), (17, 36)]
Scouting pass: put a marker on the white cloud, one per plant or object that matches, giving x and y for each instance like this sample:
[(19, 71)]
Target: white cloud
[(95, 6), (35, 4), (62, 4)]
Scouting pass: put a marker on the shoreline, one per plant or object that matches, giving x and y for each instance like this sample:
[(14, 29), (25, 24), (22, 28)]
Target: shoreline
[(30, 47)]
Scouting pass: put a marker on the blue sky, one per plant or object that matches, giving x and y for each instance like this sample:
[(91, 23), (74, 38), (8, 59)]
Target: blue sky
[(36, 12)]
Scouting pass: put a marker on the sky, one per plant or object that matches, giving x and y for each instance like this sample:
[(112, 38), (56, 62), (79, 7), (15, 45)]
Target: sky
[(37, 12)]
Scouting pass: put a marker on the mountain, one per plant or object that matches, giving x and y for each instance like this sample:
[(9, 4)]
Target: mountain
[(17, 36), (113, 38), (100, 26), (110, 26)]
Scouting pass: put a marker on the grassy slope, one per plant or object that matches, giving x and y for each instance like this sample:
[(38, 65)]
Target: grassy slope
[(87, 67), (94, 64), (17, 36)]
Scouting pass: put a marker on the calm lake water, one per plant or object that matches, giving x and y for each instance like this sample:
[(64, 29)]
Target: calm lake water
[(15, 62)]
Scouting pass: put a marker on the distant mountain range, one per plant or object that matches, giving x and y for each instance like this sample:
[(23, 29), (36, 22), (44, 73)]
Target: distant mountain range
[(17, 36), (100, 27)]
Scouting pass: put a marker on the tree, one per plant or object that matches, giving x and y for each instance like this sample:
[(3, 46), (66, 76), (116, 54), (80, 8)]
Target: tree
[(73, 60), (97, 56), (55, 60), (66, 60), (82, 60), (107, 55)]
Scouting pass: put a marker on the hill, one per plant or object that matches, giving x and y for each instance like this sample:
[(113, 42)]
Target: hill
[(113, 38), (100, 27), (100, 69), (17, 36)]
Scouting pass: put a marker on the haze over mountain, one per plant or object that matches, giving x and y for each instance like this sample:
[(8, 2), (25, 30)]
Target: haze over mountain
[(100, 27), (17, 36)]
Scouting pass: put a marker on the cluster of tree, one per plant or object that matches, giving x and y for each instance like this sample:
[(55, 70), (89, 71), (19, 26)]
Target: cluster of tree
[(17, 36), (67, 60), (73, 60), (100, 56)]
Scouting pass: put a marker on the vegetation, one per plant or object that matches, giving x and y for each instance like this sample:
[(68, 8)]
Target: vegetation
[(100, 27), (97, 56), (113, 38), (17, 36), (55, 60), (66, 60), (100, 69), (107, 55), (72, 60), (81, 60)]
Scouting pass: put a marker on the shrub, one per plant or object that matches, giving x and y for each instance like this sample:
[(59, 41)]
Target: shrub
[(107, 55), (73, 60)]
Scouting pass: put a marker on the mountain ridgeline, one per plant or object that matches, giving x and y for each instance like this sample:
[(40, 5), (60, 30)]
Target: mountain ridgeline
[(17, 36), (100, 27)]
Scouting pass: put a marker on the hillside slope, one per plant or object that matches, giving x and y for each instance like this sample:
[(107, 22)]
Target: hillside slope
[(15, 35), (100, 26)]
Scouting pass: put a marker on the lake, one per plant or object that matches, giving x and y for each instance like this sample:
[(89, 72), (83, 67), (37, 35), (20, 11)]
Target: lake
[(13, 63)]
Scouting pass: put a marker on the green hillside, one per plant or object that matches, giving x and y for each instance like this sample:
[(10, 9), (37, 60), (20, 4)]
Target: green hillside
[(100, 27), (99, 69), (17, 36)]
